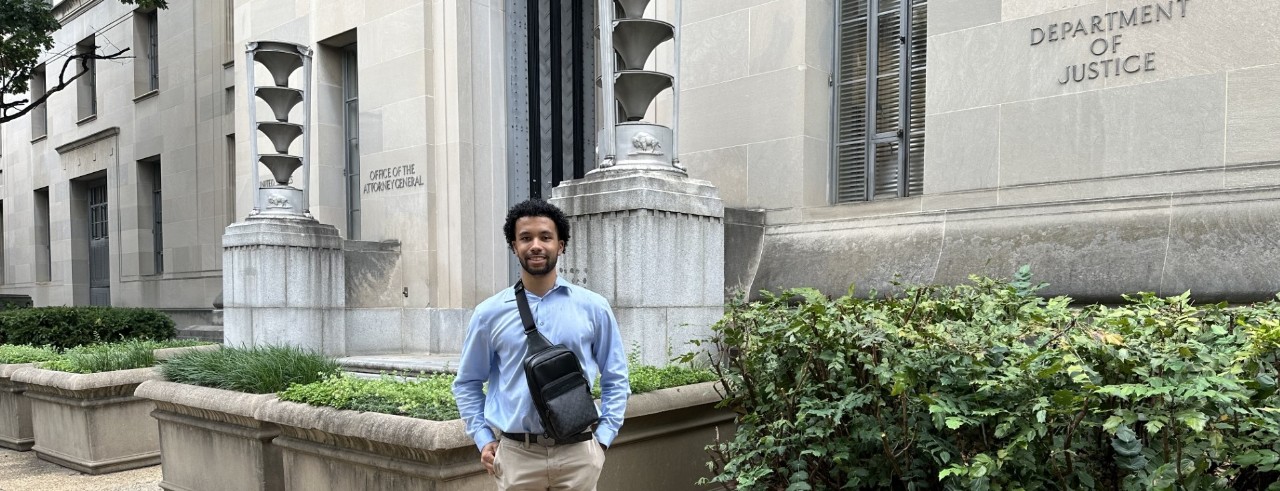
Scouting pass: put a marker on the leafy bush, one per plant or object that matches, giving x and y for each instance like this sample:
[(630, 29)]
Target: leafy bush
[(25, 354), (108, 357), (66, 327), (426, 398), (988, 386), (256, 370)]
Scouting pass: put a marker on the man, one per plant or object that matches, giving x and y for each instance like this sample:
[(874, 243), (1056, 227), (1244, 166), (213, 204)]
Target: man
[(504, 423)]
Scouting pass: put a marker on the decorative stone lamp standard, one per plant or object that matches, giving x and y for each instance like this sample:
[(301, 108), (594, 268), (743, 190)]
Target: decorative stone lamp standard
[(648, 238), (283, 281)]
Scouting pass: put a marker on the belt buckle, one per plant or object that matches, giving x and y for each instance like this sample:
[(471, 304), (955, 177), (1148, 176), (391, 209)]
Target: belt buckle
[(546, 441)]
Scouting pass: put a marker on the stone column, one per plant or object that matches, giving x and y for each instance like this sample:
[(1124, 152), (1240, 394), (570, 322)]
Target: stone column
[(652, 243), (283, 284)]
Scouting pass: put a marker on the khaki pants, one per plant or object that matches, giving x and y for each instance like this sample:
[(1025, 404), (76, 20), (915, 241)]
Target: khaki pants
[(526, 467)]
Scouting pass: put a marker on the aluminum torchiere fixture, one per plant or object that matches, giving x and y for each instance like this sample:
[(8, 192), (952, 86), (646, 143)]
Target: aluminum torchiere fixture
[(627, 41), (277, 197)]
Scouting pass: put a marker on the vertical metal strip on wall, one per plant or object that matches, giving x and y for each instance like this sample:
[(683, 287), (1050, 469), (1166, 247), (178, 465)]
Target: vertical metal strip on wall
[(546, 124), (551, 94), (518, 123)]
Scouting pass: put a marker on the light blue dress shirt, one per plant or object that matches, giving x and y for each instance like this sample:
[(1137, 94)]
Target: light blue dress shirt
[(494, 352)]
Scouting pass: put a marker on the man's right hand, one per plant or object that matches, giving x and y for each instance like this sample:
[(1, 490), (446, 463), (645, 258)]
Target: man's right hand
[(488, 454)]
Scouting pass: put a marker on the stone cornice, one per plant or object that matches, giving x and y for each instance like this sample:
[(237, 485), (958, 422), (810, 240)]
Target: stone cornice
[(80, 142), (67, 10)]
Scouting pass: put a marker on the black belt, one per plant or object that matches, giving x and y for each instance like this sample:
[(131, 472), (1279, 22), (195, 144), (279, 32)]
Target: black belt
[(547, 442)]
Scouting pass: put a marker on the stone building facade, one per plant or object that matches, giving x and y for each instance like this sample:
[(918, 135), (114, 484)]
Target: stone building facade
[(1113, 145)]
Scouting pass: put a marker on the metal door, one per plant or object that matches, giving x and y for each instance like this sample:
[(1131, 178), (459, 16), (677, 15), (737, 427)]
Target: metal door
[(99, 251)]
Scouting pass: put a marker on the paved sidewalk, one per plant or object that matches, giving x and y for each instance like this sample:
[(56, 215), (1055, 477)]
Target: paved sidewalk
[(22, 471)]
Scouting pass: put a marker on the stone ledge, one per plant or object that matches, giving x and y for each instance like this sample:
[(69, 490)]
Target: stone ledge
[(663, 191), (376, 427), (36, 378), (283, 232), (673, 398), (7, 369), (220, 400)]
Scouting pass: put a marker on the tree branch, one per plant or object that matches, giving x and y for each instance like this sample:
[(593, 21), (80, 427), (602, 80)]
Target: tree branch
[(63, 83)]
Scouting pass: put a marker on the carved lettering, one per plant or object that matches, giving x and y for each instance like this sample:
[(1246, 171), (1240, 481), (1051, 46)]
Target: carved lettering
[(1116, 63), (392, 178)]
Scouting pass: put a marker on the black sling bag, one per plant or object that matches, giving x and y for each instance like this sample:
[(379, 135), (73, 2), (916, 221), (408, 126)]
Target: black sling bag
[(560, 390)]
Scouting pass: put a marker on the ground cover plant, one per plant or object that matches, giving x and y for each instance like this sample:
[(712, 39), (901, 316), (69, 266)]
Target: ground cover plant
[(431, 396), (256, 370), (988, 386), (10, 353), (67, 327), (106, 357)]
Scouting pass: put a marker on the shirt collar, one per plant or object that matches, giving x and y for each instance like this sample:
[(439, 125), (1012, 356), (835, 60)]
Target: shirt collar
[(560, 283)]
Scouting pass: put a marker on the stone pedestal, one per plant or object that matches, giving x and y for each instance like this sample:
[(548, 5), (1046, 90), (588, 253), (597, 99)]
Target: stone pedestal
[(283, 284), (651, 242)]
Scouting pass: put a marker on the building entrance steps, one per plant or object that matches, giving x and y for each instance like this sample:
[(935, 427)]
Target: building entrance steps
[(402, 363)]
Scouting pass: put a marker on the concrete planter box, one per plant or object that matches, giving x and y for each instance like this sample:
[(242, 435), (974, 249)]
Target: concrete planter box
[(209, 439), (91, 422), (15, 411), (663, 439), (660, 447)]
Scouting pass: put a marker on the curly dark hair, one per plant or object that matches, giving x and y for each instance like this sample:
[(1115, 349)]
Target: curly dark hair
[(535, 208)]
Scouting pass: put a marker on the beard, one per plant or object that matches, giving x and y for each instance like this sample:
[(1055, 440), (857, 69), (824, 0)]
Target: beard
[(548, 266)]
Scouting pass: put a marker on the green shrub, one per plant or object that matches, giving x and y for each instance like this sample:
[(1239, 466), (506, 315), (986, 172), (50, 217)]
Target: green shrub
[(66, 327), (107, 357), (426, 398), (25, 354), (988, 386), (256, 370)]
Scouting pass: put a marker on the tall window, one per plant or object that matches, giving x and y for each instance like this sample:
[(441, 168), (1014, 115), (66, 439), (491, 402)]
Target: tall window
[(351, 128), (43, 263), (228, 31), (39, 115), (146, 42), (879, 115), (151, 214), (157, 219), (87, 84)]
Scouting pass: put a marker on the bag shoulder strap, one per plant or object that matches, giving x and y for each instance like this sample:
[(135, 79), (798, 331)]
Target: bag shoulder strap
[(537, 341)]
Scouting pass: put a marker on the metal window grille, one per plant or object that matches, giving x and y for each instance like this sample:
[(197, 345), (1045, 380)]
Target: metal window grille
[(157, 212), (878, 123), (153, 51)]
